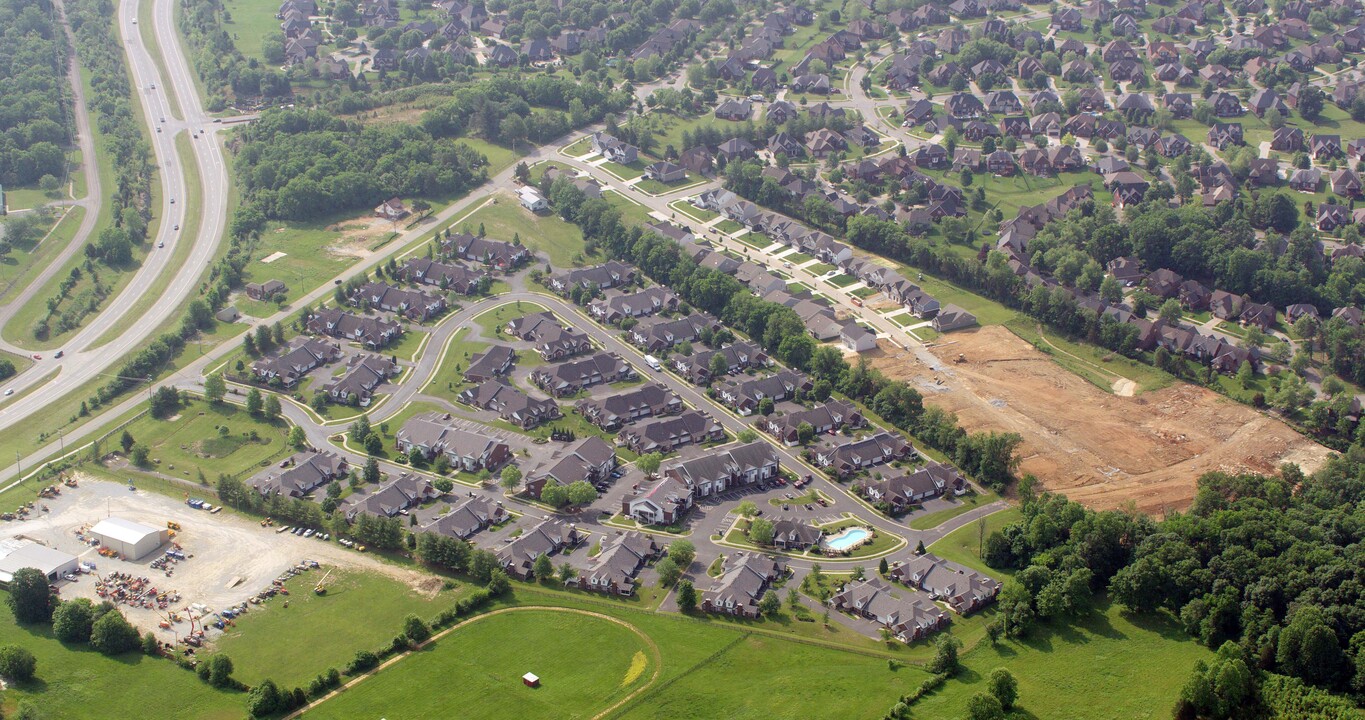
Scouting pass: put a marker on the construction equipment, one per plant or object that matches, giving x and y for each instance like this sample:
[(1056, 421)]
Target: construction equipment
[(961, 358), (321, 587), (172, 525)]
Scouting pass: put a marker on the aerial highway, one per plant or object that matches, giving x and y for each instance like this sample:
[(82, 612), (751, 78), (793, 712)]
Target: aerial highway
[(94, 194), (83, 358)]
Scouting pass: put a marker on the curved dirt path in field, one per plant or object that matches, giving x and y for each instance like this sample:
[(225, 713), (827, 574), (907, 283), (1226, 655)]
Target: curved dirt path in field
[(646, 639)]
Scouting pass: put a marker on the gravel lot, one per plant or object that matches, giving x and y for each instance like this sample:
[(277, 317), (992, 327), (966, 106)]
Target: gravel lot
[(231, 558)]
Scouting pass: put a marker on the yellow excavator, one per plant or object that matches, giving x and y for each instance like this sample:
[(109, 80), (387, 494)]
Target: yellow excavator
[(321, 587)]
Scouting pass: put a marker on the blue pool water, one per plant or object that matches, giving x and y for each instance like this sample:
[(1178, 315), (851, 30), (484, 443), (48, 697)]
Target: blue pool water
[(846, 539)]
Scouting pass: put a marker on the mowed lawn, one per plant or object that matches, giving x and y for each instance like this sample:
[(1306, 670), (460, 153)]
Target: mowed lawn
[(74, 681), (548, 235), (1107, 666), (193, 439), (313, 254), (501, 315), (963, 544), (450, 373), (632, 213), (767, 678), (585, 665), (361, 610), (252, 22)]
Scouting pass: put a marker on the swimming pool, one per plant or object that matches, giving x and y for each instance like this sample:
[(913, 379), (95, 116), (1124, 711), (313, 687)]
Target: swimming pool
[(847, 539)]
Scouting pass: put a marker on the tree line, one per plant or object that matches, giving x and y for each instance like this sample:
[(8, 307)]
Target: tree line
[(512, 108), (223, 68), (300, 164), (1266, 568), (35, 106)]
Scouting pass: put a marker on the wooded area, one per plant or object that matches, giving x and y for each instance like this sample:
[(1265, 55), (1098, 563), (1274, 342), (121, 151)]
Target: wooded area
[(301, 164), (1271, 565), (35, 112)]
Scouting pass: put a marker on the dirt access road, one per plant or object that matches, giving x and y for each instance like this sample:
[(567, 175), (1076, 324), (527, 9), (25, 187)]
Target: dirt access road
[(1100, 449)]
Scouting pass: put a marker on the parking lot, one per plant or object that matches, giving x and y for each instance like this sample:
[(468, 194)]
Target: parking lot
[(228, 558)]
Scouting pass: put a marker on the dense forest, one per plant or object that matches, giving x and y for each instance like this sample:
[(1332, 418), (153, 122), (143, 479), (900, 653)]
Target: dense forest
[(35, 113), (510, 109), (987, 457), (1269, 569), (306, 163)]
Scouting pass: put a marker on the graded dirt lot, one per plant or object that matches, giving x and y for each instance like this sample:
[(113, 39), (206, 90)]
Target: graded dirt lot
[(1100, 449), (232, 558)]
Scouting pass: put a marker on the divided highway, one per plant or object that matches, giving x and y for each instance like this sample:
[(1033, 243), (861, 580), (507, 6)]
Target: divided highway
[(83, 360), (94, 194)]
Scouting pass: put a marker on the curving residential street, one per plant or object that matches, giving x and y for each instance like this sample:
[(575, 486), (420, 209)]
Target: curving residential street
[(712, 517)]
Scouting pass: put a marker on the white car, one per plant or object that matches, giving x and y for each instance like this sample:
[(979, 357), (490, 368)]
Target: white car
[(9, 391)]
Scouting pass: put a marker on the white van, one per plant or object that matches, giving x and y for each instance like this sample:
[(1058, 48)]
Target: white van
[(653, 362)]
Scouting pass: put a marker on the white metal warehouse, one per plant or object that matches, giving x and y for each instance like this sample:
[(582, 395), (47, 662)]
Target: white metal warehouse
[(130, 539), (16, 554)]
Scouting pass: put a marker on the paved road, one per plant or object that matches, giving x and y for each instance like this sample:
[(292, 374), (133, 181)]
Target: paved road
[(94, 194), (703, 527), (85, 358)]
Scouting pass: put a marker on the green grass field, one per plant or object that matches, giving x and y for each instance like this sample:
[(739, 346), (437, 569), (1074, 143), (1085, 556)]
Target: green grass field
[(585, 664), (625, 172), (23, 261), (499, 316), (631, 212), (692, 211), (728, 226), (23, 198), (75, 681), (1097, 365), (252, 22), (361, 610), (450, 373), (548, 235), (1106, 666), (499, 158), (407, 347), (782, 680), (961, 545), (580, 147), (192, 441), (314, 252)]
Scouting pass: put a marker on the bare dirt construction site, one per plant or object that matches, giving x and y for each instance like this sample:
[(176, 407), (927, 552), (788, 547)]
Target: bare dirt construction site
[(231, 558), (357, 235), (1099, 449)]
